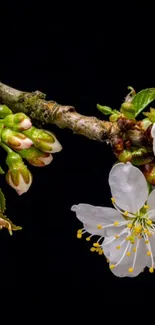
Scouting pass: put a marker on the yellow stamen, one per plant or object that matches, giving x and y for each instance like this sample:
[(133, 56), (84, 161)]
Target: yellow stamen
[(118, 247), (116, 223), (128, 254), (92, 249), (138, 229), (96, 245), (151, 269), (139, 237), (113, 200), (98, 249), (108, 261), (146, 241), (116, 236), (88, 239), (148, 253), (79, 231), (99, 227), (129, 225), (149, 233), (112, 266), (146, 206), (126, 213), (134, 249), (79, 236), (145, 231), (130, 270), (149, 222), (101, 252), (127, 238)]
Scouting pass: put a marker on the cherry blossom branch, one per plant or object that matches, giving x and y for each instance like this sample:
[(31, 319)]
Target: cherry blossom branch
[(49, 112)]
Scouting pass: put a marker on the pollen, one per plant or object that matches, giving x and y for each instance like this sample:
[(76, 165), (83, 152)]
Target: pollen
[(113, 200), (134, 250), (112, 266), (118, 247), (128, 254), (88, 239), (127, 238), (101, 252), (149, 233), (146, 206), (98, 249), (138, 229), (116, 223), (126, 213), (116, 236), (92, 249), (130, 270), (108, 261), (148, 253), (79, 235), (99, 227), (146, 241), (129, 225), (149, 222), (96, 245), (151, 269)]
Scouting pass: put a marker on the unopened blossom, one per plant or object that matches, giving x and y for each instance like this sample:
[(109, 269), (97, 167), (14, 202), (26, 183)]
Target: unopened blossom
[(36, 157), (17, 122), (15, 140), (18, 175), (127, 231)]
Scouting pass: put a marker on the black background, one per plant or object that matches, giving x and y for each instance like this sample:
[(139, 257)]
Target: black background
[(79, 61)]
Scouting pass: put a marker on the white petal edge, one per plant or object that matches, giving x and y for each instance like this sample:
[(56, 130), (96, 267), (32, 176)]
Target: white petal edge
[(128, 186), (153, 136)]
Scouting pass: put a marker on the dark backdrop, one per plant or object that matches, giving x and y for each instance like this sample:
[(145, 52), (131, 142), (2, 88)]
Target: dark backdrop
[(80, 63)]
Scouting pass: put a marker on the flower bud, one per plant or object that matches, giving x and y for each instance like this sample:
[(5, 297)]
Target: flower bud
[(128, 110), (36, 157), (125, 156), (149, 173), (43, 140), (17, 122), (18, 176), (4, 111), (15, 140)]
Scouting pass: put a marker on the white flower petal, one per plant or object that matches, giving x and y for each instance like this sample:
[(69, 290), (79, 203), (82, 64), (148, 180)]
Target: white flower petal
[(128, 186), (110, 248), (151, 214), (151, 200), (153, 136), (152, 242), (91, 216), (121, 270)]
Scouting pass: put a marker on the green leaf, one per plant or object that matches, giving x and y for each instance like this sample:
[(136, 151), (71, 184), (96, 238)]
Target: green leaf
[(142, 99), (106, 110), (2, 202)]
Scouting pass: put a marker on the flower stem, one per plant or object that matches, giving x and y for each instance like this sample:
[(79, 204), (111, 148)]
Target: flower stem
[(6, 148)]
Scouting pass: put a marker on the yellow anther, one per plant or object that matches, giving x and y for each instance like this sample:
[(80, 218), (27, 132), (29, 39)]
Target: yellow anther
[(146, 206), (128, 254), (118, 247), (79, 231), (116, 223), (108, 261), (149, 233), (112, 266), (96, 245), (138, 229), (92, 249), (146, 241), (99, 227), (149, 222), (100, 252), (139, 237), (148, 253), (130, 270), (88, 239), (113, 200), (126, 213), (98, 249), (151, 269), (116, 236), (134, 249), (79, 236), (127, 238), (145, 231), (129, 225)]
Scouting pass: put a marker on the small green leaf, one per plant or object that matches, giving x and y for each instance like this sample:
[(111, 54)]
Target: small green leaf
[(150, 115), (2, 202), (104, 109), (142, 99)]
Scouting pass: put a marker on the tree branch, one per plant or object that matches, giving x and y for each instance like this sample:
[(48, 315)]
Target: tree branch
[(49, 112)]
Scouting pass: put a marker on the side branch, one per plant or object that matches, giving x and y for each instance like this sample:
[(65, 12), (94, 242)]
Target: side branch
[(49, 112)]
